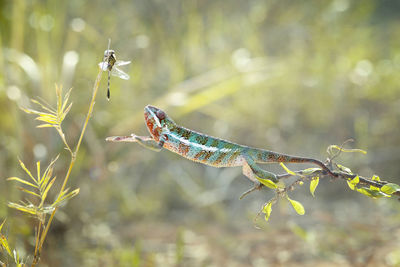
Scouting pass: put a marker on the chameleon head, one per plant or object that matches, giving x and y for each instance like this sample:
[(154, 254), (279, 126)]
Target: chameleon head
[(157, 121)]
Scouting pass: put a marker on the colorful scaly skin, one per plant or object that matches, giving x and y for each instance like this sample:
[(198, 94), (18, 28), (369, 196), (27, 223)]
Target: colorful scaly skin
[(165, 133)]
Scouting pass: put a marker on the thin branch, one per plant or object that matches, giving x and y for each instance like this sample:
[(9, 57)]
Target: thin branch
[(73, 158), (339, 175)]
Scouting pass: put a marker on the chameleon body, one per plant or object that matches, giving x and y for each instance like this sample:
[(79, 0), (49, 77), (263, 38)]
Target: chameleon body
[(216, 152)]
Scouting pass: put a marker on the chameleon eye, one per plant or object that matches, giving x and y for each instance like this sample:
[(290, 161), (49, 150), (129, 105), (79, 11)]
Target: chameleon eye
[(160, 114)]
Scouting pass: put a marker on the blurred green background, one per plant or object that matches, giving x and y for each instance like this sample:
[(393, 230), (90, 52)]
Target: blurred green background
[(291, 76)]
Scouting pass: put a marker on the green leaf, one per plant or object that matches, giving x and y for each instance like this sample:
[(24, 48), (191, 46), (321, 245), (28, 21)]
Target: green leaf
[(59, 97), (287, 169), (47, 119), (310, 171), (371, 193), (31, 111), (16, 258), (390, 188), (66, 97), (267, 210), (21, 181), (313, 185), (3, 240), (38, 169), (65, 112), (298, 207), (352, 183), (47, 173), (31, 209), (47, 115), (45, 126), (26, 170), (4, 244), (1, 225), (344, 168), (44, 194), (48, 108), (46, 177), (29, 192), (268, 183), (377, 179), (65, 197)]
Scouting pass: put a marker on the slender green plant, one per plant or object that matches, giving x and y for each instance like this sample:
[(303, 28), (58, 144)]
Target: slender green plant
[(39, 185)]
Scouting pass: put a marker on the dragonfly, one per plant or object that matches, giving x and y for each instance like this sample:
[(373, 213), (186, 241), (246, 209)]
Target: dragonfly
[(111, 64)]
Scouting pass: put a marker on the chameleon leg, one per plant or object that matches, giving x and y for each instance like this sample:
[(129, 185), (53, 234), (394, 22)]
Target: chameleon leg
[(149, 142), (250, 174), (251, 170), (263, 174)]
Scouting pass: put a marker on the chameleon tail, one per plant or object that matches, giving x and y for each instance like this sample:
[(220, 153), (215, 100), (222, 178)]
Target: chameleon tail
[(265, 156)]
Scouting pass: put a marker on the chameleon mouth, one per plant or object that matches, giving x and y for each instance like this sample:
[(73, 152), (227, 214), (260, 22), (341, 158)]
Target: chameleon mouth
[(153, 123)]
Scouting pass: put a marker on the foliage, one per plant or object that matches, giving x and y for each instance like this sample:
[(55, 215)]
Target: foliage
[(42, 183), (5, 246), (376, 189), (53, 117), (313, 185)]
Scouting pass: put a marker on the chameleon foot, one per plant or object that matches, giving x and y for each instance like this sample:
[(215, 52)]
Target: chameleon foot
[(257, 186)]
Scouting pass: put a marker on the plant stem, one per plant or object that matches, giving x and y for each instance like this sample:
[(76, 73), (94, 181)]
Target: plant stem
[(36, 256), (42, 238)]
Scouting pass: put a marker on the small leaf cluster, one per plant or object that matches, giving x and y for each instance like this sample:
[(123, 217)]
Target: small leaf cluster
[(267, 182), (313, 185), (386, 190), (372, 191), (373, 187), (281, 191), (4, 245), (53, 117), (39, 187), (297, 206)]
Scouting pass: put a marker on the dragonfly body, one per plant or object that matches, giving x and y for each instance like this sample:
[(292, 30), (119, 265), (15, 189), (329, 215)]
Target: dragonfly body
[(109, 58), (110, 64), (216, 152)]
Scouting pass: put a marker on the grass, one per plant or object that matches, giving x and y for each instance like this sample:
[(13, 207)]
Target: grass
[(43, 212)]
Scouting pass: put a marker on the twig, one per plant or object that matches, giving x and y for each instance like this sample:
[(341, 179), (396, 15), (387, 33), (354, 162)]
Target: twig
[(38, 248), (340, 175)]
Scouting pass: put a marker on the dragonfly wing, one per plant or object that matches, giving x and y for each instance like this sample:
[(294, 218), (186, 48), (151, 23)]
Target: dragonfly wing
[(119, 73), (103, 66), (122, 63)]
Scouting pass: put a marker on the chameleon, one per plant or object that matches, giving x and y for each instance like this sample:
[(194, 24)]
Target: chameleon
[(209, 150)]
